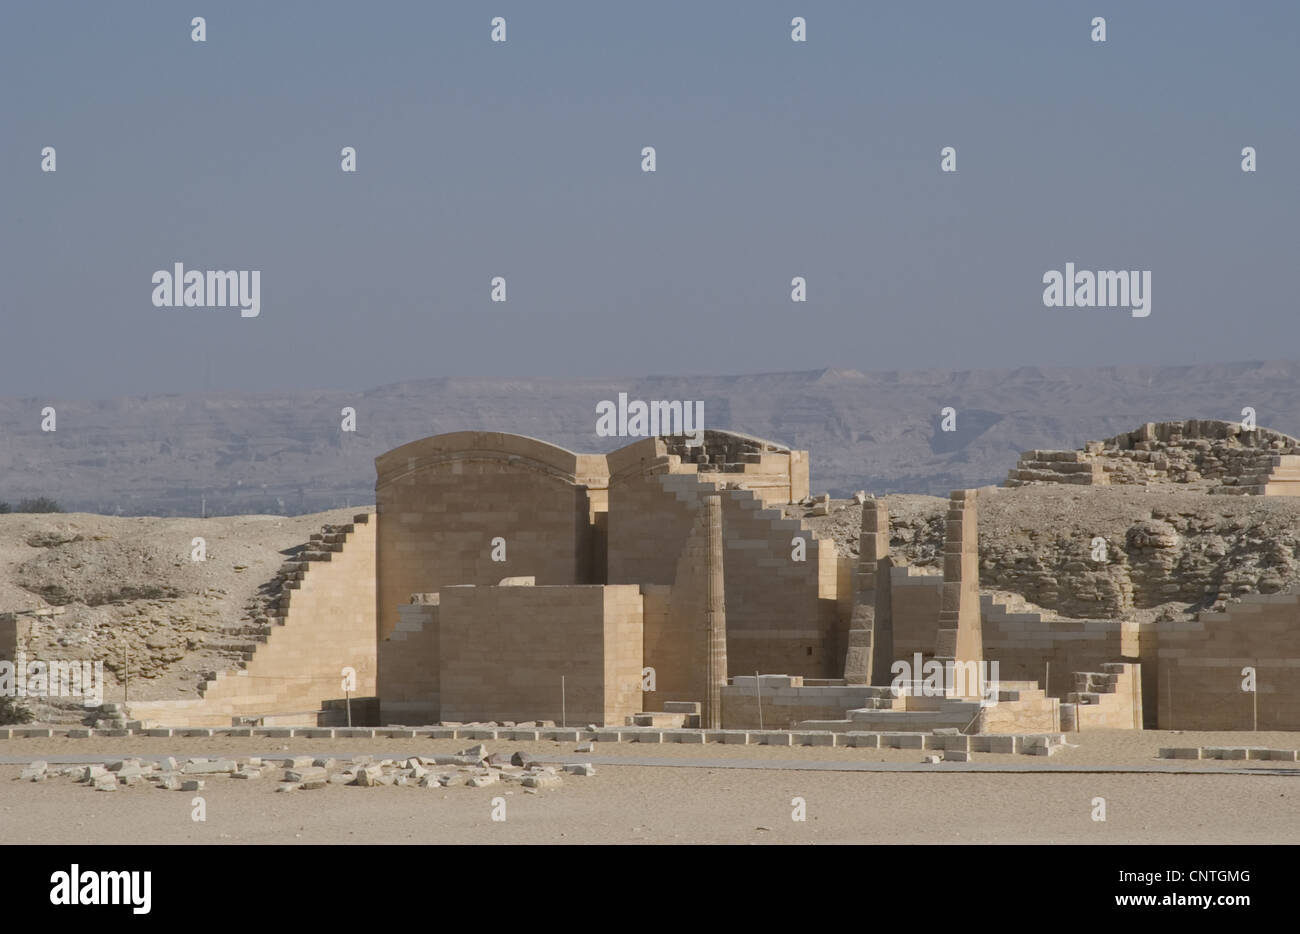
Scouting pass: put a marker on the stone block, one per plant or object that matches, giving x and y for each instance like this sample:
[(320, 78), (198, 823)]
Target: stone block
[(209, 767), (903, 740), (541, 780), (309, 774)]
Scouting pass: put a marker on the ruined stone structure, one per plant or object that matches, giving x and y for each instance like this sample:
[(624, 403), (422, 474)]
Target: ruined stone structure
[(1216, 455), (684, 529), (506, 579)]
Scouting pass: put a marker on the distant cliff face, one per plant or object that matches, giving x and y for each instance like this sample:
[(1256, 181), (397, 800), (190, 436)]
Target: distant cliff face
[(884, 432)]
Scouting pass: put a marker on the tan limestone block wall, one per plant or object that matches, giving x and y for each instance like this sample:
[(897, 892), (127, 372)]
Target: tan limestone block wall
[(1201, 662), (503, 651), (408, 666), (915, 601), (782, 614), (783, 708), (441, 502), (330, 625)]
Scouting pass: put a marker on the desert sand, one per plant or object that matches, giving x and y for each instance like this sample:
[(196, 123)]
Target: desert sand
[(702, 797)]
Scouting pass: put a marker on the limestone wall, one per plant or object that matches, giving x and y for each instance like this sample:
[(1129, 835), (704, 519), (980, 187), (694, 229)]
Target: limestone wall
[(326, 623), (776, 474), (442, 500), (408, 664), (1109, 699), (915, 600), (782, 614), (1201, 662), (1028, 647), (503, 650), (786, 701), (1020, 708)]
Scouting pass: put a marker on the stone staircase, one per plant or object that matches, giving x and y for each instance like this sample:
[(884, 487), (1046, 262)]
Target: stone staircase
[(1106, 699), (1278, 476), (1021, 707), (1077, 467)]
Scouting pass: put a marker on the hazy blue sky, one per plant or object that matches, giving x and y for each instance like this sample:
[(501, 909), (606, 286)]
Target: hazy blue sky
[(522, 159)]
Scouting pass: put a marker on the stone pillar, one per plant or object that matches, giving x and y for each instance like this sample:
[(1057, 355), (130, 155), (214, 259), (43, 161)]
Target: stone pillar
[(715, 618), (960, 636), (870, 637)]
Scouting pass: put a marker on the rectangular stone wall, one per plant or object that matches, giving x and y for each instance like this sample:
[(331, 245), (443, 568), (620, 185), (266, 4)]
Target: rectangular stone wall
[(667, 643), (914, 604), (1201, 662), (408, 665), (503, 650), (1032, 712)]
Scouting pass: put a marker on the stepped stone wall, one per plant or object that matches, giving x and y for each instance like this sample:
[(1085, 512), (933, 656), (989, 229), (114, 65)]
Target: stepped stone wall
[(1028, 647), (775, 473), (675, 640), (786, 701), (781, 613), (325, 622), (1109, 699)]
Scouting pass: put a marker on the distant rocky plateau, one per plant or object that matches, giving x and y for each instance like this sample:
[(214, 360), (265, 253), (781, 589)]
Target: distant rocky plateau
[(285, 453)]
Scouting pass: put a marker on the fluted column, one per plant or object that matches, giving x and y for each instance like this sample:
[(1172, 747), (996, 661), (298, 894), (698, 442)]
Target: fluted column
[(715, 617)]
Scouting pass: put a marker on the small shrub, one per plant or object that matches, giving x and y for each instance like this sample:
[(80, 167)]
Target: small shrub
[(39, 504)]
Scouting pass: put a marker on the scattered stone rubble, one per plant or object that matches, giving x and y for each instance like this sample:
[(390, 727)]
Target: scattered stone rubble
[(474, 767)]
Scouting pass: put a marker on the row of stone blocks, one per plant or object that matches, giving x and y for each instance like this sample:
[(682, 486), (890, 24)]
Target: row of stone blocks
[(1029, 744), (1255, 753)]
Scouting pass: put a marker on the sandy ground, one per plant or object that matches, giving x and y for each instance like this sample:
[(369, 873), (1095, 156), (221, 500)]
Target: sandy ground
[(702, 801)]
